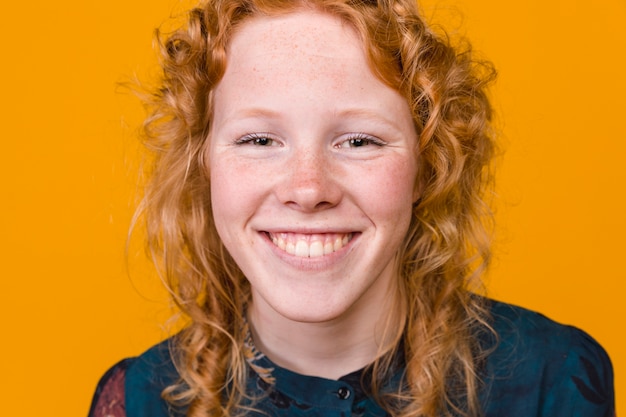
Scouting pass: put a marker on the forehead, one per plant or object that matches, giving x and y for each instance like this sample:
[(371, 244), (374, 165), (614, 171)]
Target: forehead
[(306, 32), (291, 56), (307, 66), (295, 50)]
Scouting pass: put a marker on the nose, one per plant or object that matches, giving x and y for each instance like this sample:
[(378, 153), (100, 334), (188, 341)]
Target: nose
[(310, 181)]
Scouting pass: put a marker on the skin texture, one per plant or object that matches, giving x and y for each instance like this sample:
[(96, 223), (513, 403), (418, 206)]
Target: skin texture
[(307, 145)]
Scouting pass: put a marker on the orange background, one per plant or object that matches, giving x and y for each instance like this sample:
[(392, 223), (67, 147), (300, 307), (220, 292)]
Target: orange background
[(69, 164)]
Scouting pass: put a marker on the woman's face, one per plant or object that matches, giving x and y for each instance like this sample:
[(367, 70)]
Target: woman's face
[(312, 168)]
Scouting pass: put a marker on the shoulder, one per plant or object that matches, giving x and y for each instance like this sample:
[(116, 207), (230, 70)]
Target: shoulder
[(108, 400), (544, 368), (133, 386), (146, 378)]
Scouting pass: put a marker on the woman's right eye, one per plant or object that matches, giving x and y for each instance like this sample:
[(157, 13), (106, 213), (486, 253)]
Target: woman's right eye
[(258, 139)]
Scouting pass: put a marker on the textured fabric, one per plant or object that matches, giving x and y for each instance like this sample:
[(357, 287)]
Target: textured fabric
[(538, 368), (108, 400)]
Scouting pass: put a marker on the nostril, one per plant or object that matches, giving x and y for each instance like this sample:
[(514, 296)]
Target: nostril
[(301, 205), (323, 204)]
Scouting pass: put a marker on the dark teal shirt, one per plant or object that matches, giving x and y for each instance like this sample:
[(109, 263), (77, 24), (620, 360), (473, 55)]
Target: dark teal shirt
[(539, 368)]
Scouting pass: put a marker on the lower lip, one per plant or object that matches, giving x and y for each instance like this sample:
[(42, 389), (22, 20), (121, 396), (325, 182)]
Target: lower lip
[(317, 263)]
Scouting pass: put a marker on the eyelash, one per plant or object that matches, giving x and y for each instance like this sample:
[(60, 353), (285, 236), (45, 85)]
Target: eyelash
[(363, 138), (264, 139), (256, 139)]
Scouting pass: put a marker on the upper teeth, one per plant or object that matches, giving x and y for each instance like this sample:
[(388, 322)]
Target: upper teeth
[(310, 246)]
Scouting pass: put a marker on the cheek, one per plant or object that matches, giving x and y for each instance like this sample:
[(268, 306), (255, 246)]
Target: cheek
[(236, 189), (391, 189), (226, 196)]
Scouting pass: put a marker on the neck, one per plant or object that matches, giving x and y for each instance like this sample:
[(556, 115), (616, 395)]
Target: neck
[(329, 349)]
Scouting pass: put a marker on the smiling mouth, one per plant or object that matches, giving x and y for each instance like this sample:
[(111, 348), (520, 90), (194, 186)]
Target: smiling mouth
[(310, 245)]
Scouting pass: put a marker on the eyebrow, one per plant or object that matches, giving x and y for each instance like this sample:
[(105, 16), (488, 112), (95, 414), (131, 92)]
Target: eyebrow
[(261, 112), (367, 114), (254, 112)]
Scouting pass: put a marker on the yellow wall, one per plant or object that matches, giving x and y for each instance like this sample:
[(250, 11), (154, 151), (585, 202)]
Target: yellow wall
[(69, 159)]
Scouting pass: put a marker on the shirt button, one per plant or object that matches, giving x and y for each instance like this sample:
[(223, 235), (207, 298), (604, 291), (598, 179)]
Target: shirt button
[(343, 393)]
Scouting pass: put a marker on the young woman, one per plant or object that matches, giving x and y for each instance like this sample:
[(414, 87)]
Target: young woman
[(317, 205)]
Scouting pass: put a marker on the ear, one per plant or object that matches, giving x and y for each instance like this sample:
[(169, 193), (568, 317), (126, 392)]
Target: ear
[(204, 156), (417, 193), (419, 185)]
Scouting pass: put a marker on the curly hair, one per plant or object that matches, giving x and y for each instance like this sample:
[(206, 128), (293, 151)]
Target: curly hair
[(445, 251)]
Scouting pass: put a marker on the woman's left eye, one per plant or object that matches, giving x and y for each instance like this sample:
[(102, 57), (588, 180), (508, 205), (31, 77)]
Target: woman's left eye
[(359, 141)]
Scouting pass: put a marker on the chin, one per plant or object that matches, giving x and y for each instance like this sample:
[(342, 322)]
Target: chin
[(321, 310)]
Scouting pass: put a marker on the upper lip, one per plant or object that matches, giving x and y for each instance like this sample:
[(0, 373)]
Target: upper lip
[(309, 231)]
